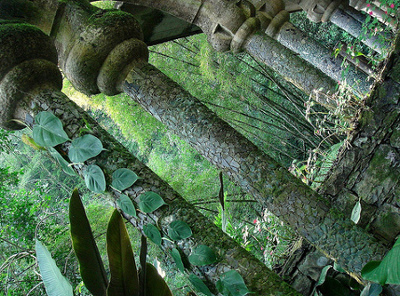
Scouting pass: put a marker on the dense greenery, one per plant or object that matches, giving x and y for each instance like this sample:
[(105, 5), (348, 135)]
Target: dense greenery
[(273, 114)]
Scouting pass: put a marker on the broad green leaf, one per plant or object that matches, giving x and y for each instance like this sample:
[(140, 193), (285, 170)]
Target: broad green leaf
[(150, 201), (202, 255), (152, 233), (356, 213), (123, 178), (386, 271), (177, 258), (371, 290), (178, 230), (48, 130), (322, 276), (126, 205), (94, 178), (90, 264), (84, 148), (55, 283), (231, 283), (199, 285), (155, 284), (124, 277), (62, 162)]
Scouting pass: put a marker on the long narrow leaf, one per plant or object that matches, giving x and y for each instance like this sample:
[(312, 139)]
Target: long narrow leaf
[(90, 263), (155, 284), (55, 283), (124, 277), (143, 256)]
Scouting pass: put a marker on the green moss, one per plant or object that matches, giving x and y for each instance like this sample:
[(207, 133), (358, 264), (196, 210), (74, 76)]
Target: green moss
[(110, 17)]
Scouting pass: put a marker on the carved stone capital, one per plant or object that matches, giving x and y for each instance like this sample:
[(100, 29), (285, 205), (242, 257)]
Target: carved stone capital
[(28, 62), (96, 47), (319, 10)]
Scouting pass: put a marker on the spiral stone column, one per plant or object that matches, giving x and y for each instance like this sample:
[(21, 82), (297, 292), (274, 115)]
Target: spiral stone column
[(30, 82)]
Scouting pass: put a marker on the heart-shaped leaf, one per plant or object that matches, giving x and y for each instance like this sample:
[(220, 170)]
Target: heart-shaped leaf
[(123, 178), (62, 162), (386, 271), (48, 130), (202, 255), (84, 148), (178, 259), (126, 205), (90, 264), (178, 230), (55, 283), (231, 283), (124, 277), (150, 201), (152, 233), (199, 285), (94, 178)]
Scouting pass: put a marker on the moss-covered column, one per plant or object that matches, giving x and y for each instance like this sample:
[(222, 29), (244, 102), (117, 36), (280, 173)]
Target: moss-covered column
[(327, 10), (31, 83), (321, 57), (270, 184), (374, 11), (352, 26), (230, 24)]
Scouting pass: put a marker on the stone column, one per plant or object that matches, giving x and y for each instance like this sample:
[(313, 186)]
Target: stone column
[(327, 10), (30, 82), (346, 22), (279, 28), (374, 11), (228, 26)]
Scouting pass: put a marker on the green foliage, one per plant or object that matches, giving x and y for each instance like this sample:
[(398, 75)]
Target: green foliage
[(199, 285), (126, 205), (178, 259), (94, 178), (61, 161), (152, 233), (155, 285), (202, 255), (83, 148), (91, 265), (124, 277), (231, 284), (150, 201), (123, 178), (386, 271), (178, 230), (56, 284), (48, 130)]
